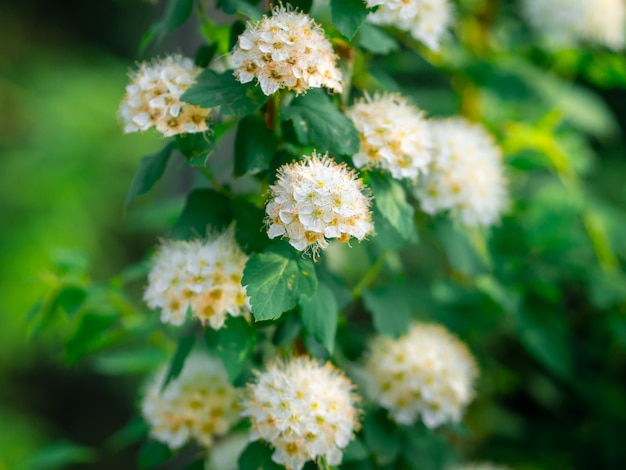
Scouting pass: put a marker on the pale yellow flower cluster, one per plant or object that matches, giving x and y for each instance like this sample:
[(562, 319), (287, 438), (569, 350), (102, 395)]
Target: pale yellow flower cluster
[(200, 404), (426, 373), (201, 276), (317, 199), (304, 409), (153, 98), (286, 50)]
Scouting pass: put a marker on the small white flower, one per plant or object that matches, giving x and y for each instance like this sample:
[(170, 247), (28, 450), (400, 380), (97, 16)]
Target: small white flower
[(569, 22), (203, 276), (317, 199), (153, 98), (466, 175), (199, 404), (428, 373), (304, 409), (286, 50), (394, 136), (427, 20)]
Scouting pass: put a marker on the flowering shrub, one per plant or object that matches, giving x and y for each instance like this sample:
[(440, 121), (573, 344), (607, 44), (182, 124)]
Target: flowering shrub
[(352, 259)]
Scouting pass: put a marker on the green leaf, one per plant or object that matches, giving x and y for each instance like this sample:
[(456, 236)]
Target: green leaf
[(390, 309), (197, 147), (373, 39), (348, 15), (249, 225), (319, 316), (234, 343), (355, 451), (185, 345), (381, 438), (459, 251), (153, 454), (302, 5), (150, 170), (317, 122), (136, 360), (258, 456), (239, 6), (223, 90), (70, 298), (204, 207), (133, 432), (287, 331), (255, 146), (89, 334), (60, 455), (276, 280), (390, 198)]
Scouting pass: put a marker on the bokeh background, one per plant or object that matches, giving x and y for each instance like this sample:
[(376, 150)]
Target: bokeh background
[(553, 389)]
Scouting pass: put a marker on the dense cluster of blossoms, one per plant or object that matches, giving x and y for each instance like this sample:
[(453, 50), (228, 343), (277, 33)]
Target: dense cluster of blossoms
[(317, 199), (153, 98), (428, 372), (286, 50), (568, 22), (394, 135), (466, 175), (199, 404), (304, 409), (426, 20), (203, 276)]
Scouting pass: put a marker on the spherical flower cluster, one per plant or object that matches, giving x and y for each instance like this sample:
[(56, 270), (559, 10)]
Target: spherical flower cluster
[(203, 276), (426, 20), (199, 404), (305, 410), (153, 98), (394, 135), (317, 199), (428, 373), (466, 175), (568, 22), (286, 50)]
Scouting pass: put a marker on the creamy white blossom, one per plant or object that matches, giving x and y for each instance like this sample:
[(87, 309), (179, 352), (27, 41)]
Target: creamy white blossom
[(203, 276), (569, 22), (153, 98), (317, 199), (304, 409), (427, 20), (199, 404), (426, 373), (394, 135), (466, 175), (286, 50)]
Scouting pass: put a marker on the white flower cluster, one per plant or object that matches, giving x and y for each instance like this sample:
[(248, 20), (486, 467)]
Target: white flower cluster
[(394, 135), (316, 199), (198, 404), (286, 50), (153, 98), (304, 409), (426, 20), (466, 175), (568, 22), (203, 276), (428, 373)]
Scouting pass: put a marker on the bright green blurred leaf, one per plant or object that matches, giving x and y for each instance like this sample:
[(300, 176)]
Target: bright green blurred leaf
[(390, 198), (390, 309), (374, 39), (60, 455), (90, 333), (233, 343), (348, 15)]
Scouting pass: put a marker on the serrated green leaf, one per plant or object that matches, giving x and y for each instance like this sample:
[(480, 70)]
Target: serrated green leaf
[(276, 280), (185, 345), (197, 147), (258, 456), (213, 89), (255, 146), (390, 198), (348, 15), (390, 309), (319, 316), (204, 208), (234, 343), (317, 122), (150, 170), (373, 39), (90, 332)]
